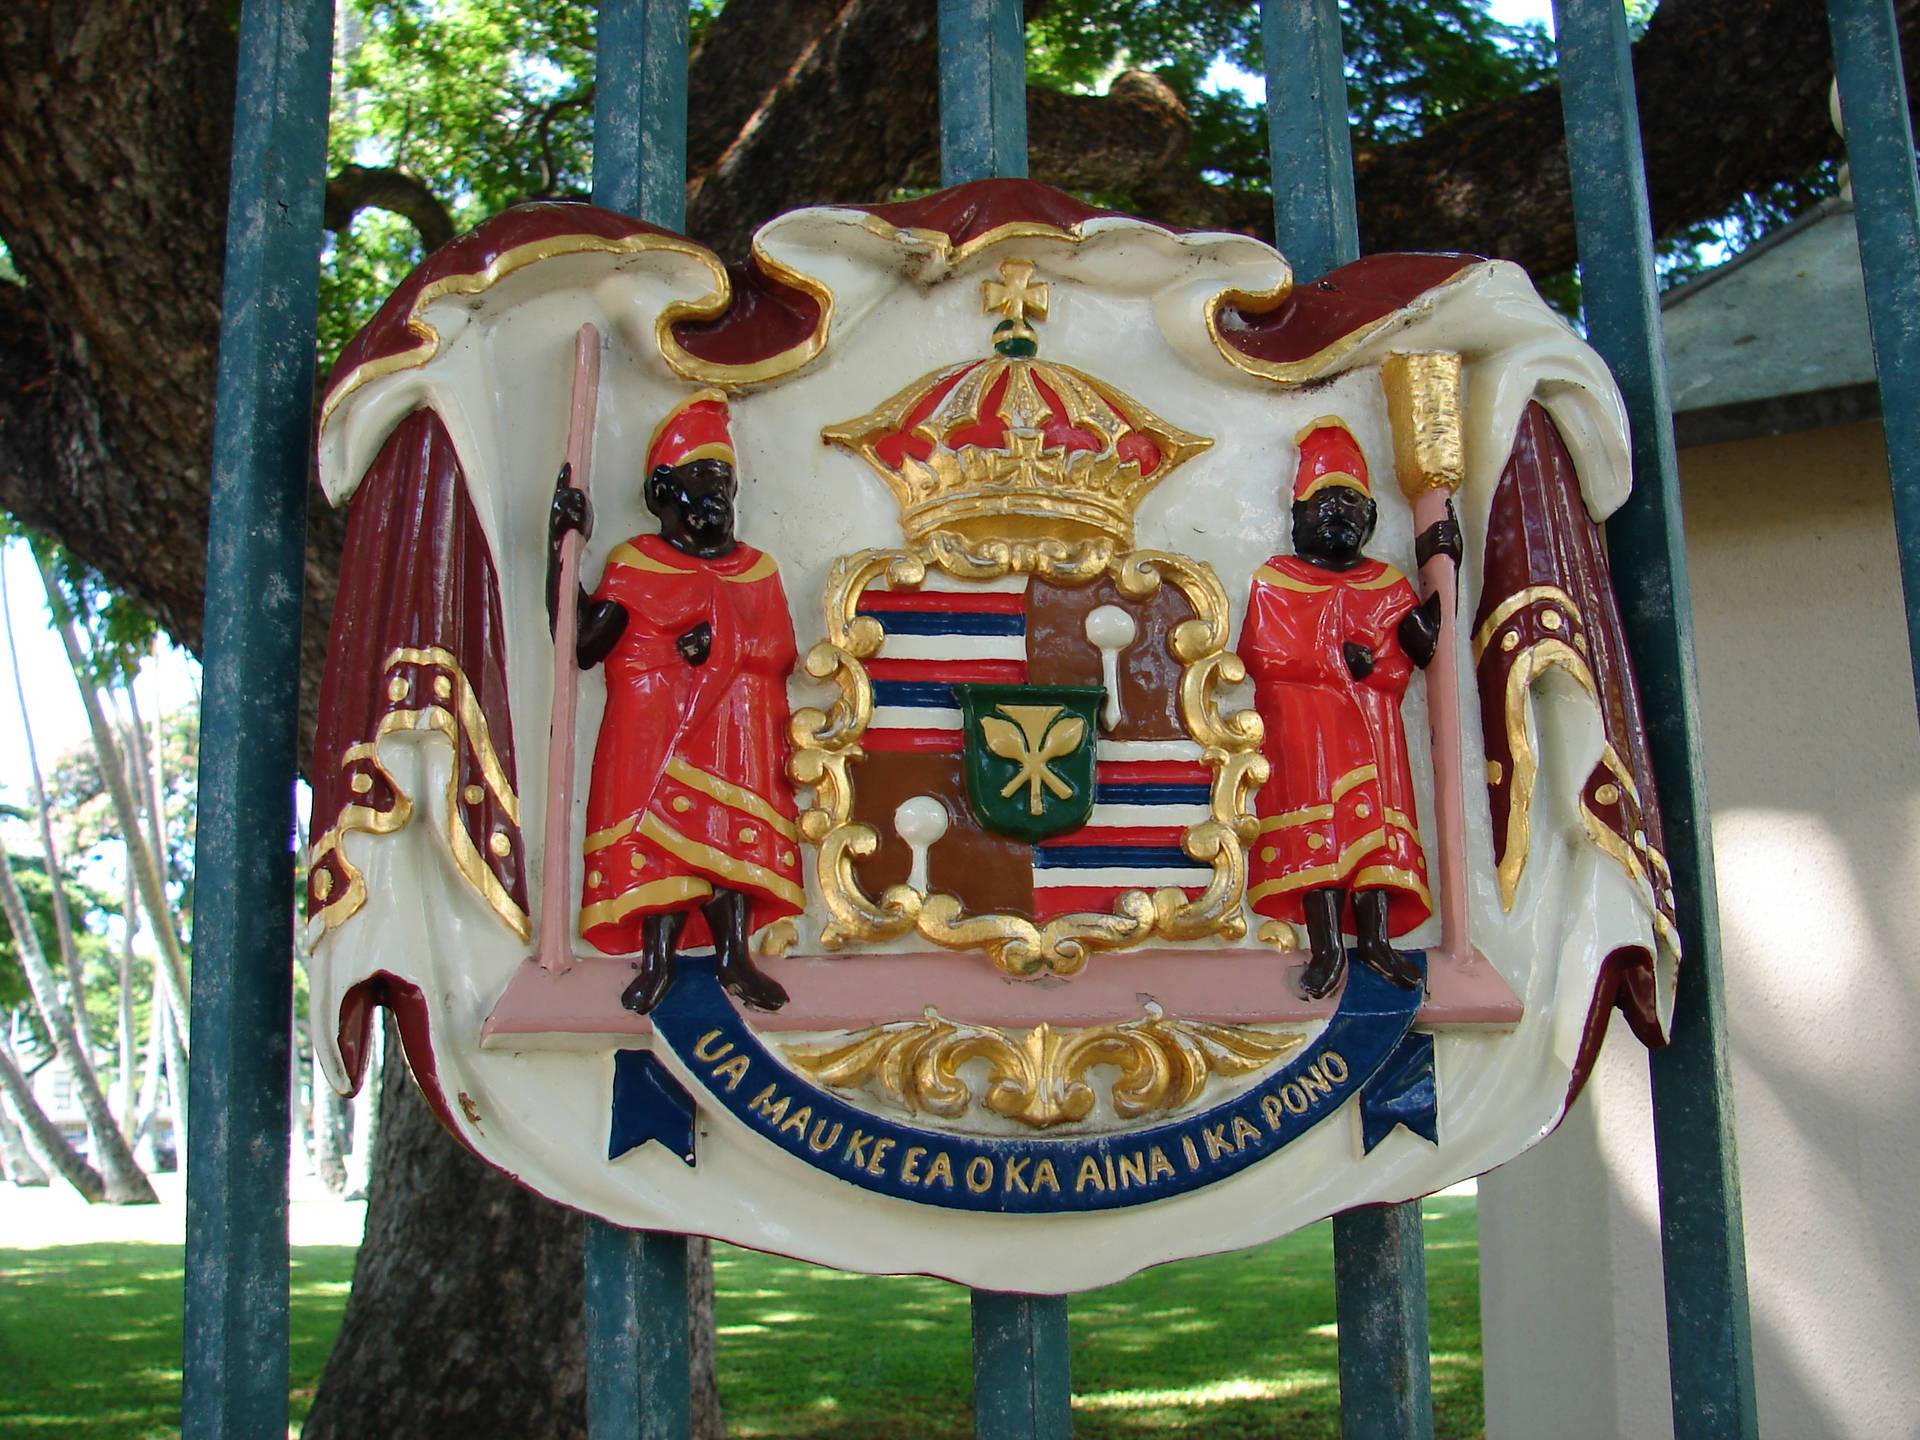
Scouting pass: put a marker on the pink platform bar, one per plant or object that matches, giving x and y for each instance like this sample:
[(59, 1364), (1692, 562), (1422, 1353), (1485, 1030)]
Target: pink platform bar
[(569, 1009)]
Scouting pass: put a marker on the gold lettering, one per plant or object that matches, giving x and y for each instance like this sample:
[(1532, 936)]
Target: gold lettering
[(941, 1170), (819, 1141), (1110, 1184), (1270, 1107), (1193, 1155), (1329, 1061), (701, 1045), (1014, 1179), (1043, 1175), (980, 1174), (764, 1107), (1243, 1131), (1293, 1097), (1217, 1142), (1316, 1084), (1157, 1159), (856, 1150), (1089, 1175), (880, 1148), (797, 1122), (910, 1164), (733, 1072), (1133, 1170)]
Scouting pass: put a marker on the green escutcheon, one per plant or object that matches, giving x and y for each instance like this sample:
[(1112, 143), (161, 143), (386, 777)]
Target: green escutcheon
[(1029, 756)]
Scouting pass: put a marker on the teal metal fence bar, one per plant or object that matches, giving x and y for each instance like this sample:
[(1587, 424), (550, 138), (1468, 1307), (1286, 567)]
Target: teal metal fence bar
[(1380, 1269), (640, 110), (636, 1299), (638, 1385), (1022, 1372), (234, 1378), (1873, 101), (1708, 1341), (1380, 1287), (983, 90), (1022, 1377), (1308, 142)]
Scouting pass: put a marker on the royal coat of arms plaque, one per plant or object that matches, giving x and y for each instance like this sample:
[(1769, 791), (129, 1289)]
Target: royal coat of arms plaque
[(1020, 743)]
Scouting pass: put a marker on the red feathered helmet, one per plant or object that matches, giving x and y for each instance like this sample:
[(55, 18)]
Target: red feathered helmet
[(697, 430), (1329, 455)]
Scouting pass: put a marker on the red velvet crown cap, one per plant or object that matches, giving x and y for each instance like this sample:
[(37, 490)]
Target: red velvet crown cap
[(696, 430), (1329, 455)]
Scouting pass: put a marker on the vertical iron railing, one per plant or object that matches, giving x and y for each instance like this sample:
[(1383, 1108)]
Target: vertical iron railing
[(1380, 1262), (638, 1385), (1022, 1376), (1873, 106), (234, 1381), (1708, 1342)]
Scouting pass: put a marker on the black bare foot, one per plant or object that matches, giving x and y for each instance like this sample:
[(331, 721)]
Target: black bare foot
[(1328, 966), (726, 916), (1374, 949), (659, 935)]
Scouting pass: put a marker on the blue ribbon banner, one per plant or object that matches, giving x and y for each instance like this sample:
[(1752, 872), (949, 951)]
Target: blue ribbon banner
[(1367, 1049)]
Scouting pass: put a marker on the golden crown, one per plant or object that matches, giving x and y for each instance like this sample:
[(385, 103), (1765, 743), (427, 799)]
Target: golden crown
[(1016, 449)]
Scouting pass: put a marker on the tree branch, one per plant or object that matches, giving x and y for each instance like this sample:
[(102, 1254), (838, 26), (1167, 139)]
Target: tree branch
[(358, 188)]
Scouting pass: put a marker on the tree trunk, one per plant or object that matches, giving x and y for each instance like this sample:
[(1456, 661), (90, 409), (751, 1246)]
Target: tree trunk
[(463, 1277), (43, 1135), (126, 1183), (146, 1130), (327, 1163), (56, 876), (484, 1293), (176, 1079), (113, 769), (129, 919), (17, 1164)]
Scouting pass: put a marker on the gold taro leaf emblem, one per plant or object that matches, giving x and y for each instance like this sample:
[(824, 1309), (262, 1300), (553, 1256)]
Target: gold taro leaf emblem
[(1030, 744)]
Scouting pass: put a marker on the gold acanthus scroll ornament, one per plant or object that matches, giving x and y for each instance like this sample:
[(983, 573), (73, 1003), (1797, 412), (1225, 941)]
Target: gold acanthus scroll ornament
[(1042, 1077)]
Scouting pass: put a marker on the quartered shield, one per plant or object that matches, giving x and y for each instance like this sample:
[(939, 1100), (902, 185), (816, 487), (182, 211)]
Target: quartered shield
[(1029, 753)]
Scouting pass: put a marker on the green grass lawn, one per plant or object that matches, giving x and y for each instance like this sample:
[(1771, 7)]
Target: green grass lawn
[(1231, 1347)]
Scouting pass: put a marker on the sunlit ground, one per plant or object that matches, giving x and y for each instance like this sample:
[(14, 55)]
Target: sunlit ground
[(1234, 1347)]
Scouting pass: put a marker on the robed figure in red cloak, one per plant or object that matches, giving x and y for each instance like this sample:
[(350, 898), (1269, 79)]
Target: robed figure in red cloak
[(1331, 642), (691, 828)]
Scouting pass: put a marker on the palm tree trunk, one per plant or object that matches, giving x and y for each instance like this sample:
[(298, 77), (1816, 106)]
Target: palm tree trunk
[(126, 1184), (56, 878), (146, 1132), (153, 893), (44, 1136), (129, 921), (16, 1161), (176, 1080)]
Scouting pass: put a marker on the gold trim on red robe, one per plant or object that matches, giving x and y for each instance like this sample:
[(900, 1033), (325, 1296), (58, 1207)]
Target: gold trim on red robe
[(1338, 809), (689, 789)]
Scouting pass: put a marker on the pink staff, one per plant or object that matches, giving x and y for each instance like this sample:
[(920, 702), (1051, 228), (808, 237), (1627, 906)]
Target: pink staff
[(556, 872), (1425, 407)]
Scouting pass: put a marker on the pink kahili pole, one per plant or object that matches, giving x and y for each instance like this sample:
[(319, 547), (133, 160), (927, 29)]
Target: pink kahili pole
[(556, 871), (1424, 403)]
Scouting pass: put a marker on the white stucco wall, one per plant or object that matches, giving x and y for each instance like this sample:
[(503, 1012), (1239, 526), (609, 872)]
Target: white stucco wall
[(1813, 767)]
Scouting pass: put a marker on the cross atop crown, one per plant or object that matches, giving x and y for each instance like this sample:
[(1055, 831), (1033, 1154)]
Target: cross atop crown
[(1016, 295)]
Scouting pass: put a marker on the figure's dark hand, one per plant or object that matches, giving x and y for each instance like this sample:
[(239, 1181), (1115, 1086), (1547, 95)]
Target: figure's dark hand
[(1440, 538), (1420, 631), (695, 644), (571, 511), (1359, 659)]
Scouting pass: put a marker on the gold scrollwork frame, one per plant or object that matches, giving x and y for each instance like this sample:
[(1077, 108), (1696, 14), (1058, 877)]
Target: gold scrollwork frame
[(827, 742)]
